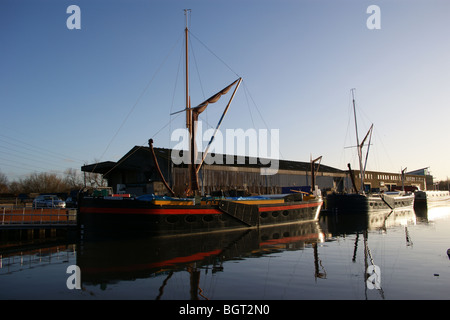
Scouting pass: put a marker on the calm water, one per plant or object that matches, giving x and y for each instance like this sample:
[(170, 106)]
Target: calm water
[(325, 260)]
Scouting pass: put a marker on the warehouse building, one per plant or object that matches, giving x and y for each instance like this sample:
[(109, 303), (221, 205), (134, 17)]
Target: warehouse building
[(136, 173), (377, 181)]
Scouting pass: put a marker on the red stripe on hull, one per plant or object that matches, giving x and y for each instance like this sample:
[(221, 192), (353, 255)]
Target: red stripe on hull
[(187, 210), (155, 211)]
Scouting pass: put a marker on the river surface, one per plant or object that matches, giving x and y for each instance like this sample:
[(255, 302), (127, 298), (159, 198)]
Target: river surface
[(401, 255)]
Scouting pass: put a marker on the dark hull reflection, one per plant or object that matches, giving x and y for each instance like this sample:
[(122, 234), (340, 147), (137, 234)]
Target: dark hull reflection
[(432, 212), (104, 262), (355, 223)]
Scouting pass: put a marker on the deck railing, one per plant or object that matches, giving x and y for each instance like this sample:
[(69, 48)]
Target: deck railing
[(33, 216)]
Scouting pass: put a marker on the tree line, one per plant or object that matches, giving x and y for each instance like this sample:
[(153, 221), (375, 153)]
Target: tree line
[(72, 179), (443, 185), (45, 182)]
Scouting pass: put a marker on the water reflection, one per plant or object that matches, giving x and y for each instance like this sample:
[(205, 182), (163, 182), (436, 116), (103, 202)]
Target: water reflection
[(360, 225), (333, 258), (109, 262), (14, 259), (394, 225), (338, 224), (432, 213), (106, 263)]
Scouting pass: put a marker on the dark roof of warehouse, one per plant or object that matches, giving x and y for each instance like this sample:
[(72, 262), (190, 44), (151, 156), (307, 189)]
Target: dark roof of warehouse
[(107, 166)]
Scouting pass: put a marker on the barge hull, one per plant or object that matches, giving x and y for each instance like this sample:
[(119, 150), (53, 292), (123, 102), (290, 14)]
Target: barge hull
[(120, 217)]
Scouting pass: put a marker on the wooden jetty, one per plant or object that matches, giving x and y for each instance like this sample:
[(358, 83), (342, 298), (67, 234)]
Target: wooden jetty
[(36, 222)]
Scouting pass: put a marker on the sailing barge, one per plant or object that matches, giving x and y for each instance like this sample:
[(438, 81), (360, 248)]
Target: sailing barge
[(163, 215), (194, 213), (362, 202), (356, 203)]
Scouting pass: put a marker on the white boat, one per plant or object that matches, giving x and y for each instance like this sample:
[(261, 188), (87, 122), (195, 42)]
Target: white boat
[(431, 198)]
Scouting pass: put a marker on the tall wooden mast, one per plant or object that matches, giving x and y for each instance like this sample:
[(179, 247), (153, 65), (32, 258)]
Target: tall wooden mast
[(362, 169), (361, 188), (193, 180), (192, 117), (188, 111)]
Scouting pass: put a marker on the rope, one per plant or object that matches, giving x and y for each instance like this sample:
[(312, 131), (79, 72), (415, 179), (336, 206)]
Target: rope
[(137, 101), (215, 54), (138, 148), (262, 118)]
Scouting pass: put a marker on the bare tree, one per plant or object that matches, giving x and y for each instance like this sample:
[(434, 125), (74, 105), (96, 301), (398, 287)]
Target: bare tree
[(73, 179), (15, 187), (45, 182), (42, 183), (3, 183)]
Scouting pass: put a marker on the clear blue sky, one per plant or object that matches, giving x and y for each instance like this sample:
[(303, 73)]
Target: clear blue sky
[(70, 97)]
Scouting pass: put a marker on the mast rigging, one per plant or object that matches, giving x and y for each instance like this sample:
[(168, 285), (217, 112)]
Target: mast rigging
[(359, 146), (192, 117)]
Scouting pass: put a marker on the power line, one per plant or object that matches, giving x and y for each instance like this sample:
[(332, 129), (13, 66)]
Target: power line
[(26, 166), (34, 159), (39, 149)]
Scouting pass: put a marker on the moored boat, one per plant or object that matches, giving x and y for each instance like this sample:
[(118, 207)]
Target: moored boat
[(362, 202), (194, 212), (351, 203), (431, 198), (176, 216)]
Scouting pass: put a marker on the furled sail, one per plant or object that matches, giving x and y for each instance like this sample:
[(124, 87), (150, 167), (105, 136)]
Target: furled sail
[(195, 114), (192, 129), (213, 99), (202, 106)]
